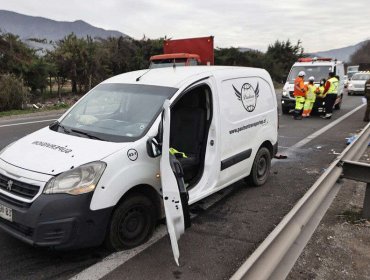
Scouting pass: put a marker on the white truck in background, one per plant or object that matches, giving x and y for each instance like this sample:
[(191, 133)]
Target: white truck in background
[(318, 68)]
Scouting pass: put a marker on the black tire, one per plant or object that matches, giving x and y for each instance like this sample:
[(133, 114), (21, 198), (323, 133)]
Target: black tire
[(132, 223), (261, 168), (349, 93), (285, 110)]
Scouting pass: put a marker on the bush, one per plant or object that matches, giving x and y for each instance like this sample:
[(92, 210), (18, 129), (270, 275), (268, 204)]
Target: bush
[(12, 92)]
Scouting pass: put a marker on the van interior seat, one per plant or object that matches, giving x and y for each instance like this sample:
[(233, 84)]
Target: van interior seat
[(187, 130)]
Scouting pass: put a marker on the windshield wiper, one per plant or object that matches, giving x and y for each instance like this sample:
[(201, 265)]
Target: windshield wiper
[(66, 130), (56, 125), (86, 134)]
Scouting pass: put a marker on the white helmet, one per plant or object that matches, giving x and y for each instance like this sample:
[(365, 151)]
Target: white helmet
[(312, 78), (301, 74)]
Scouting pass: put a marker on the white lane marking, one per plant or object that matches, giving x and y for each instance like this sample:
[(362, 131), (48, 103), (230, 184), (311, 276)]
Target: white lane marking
[(14, 124), (324, 129), (111, 262)]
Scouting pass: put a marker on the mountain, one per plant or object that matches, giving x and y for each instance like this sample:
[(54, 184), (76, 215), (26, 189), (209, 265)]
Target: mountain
[(342, 54), (30, 27)]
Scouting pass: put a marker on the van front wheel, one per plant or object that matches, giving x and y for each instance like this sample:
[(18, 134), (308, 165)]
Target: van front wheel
[(261, 168), (132, 223)]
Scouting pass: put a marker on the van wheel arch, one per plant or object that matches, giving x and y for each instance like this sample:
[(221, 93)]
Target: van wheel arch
[(261, 165), (141, 204), (267, 144)]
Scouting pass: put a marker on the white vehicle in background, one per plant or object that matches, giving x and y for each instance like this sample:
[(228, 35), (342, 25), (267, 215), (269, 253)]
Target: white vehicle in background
[(346, 81), (357, 84), (103, 171), (318, 68), (351, 70)]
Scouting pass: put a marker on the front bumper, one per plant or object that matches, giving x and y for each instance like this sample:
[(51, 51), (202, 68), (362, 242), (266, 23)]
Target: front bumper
[(61, 221), (319, 105), (287, 102), (357, 91)]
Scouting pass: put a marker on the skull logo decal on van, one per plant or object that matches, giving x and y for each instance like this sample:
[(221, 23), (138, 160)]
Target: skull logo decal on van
[(248, 96)]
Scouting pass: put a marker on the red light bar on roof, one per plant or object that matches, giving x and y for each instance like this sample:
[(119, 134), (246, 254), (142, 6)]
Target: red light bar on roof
[(309, 59)]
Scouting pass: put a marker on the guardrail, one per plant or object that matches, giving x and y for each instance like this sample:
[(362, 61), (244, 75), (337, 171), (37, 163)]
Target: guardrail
[(277, 254)]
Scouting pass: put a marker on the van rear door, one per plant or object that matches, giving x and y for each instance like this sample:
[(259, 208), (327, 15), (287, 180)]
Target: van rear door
[(175, 196)]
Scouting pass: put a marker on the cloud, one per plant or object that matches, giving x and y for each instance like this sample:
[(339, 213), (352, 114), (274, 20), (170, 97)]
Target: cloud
[(320, 25)]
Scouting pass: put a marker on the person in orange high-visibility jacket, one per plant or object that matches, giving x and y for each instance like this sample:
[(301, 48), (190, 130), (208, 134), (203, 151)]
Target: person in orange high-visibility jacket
[(299, 95), (310, 97)]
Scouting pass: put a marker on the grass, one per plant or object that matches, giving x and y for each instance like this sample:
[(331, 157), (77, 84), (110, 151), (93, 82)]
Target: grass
[(353, 216), (30, 111)]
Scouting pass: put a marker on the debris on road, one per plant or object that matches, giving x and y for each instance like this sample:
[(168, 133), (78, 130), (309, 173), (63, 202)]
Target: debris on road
[(280, 156), (333, 152)]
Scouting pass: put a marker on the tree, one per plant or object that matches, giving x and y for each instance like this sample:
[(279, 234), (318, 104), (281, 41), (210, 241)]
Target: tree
[(70, 58), (235, 57), (36, 76), (12, 92), (15, 56), (362, 55), (280, 57)]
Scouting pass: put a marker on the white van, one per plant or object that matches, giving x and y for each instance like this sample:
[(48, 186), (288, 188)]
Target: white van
[(100, 172), (319, 68)]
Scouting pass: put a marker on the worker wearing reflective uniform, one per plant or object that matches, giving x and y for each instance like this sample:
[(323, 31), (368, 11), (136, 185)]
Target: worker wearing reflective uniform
[(320, 89), (310, 97), (367, 95), (299, 95), (330, 92)]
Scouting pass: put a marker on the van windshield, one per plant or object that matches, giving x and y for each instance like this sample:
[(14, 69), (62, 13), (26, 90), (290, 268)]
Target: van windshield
[(116, 112), (360, 77), (318, 72)]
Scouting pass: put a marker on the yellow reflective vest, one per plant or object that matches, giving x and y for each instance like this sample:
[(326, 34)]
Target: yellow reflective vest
[(333, 86), (310, 95)]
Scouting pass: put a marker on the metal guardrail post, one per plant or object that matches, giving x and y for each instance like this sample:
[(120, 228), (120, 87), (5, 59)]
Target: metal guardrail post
[(366, 207), (359, 171)]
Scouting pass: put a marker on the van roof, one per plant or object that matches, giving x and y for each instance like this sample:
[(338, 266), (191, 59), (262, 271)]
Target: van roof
[(176, 77)]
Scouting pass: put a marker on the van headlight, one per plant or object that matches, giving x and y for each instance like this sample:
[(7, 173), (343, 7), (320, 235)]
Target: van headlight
[(82, 179), (285, 93)]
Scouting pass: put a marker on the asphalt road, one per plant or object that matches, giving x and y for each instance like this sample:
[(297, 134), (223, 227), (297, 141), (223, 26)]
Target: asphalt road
[(221, 237)]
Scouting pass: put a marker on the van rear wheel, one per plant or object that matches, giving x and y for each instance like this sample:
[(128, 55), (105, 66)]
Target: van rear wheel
[(132, 223), (261, 168)]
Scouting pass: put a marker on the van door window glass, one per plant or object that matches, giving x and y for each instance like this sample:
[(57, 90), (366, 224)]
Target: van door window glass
[(116, 112), (319, 72)]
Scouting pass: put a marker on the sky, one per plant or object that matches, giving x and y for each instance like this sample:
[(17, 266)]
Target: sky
[(318, 24)]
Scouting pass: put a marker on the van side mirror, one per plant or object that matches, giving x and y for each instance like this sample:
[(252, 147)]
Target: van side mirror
[(153, 147)]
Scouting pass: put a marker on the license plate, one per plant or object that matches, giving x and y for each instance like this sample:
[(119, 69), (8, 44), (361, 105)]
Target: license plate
[(6, 213)]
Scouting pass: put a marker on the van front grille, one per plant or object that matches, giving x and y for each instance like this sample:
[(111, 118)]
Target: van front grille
[(18, 188)]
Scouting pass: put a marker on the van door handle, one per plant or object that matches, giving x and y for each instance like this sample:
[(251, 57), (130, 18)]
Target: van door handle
[(212, 142)]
